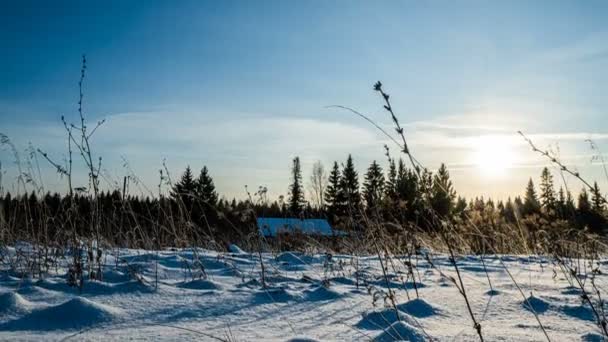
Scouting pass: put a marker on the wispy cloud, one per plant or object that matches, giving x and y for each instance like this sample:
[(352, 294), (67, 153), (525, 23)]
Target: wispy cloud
[(257, 149)]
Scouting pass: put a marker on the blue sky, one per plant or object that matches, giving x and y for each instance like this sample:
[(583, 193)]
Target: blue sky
[(243, 86)]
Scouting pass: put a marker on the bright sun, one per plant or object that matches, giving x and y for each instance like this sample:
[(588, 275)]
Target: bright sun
[(493, 155)]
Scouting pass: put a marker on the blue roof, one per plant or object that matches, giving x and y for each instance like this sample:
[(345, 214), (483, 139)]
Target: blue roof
[(271, 226)]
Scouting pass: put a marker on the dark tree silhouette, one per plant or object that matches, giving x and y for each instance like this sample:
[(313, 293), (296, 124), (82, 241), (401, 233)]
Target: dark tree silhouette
[(531, 204), (509, 212), (597, 200), (390, 186), (296, 190), (349, 187), (442, 194), (185, 188), (547, 193), (409, 198), (373, 186), (205, 189), (333, 197)]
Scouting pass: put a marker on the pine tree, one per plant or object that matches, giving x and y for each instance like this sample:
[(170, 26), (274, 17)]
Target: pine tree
[(560, 204), (597, 200), (425, 184), (442, 193), (460, 207), (590, 212), (205, 189), (332, 192), (407, 191), (296, 191), (586, 216), (185, 188), (490, 204), (509, 212), (547, 193), (373, 186), (531, 204), (518, 205), (479, 204), (349, 187), (583, 202), (390, 185), (570, 208)]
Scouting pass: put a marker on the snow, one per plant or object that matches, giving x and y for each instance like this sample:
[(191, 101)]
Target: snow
[(418, 308), (186, 294), (13, 303), (401, 331), (234, 249), (76, 313)]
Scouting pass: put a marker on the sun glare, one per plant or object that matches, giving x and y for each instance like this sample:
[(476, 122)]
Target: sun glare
[(493, 155)]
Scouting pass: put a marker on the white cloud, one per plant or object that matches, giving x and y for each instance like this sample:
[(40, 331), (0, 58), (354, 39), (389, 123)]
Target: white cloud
[(257, 149)]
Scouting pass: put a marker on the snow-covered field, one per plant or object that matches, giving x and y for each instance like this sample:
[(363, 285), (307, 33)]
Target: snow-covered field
[(231, 304)]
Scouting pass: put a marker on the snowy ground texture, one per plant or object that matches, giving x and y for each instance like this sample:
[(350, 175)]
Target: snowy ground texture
[(298, 305)]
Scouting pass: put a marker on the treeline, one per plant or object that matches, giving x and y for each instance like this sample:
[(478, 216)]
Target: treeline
[(407, 195), (195, 212)]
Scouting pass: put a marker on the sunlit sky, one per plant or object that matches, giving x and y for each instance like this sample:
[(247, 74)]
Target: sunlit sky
[(243, 86)]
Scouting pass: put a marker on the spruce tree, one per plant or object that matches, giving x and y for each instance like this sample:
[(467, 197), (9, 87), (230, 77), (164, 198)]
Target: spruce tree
[(570, 207), (509, 212), (425, 184), (597, 200), (531, 204), (332, 192), (185, 188), (390, 185), (518, 205), (296, 190), (373, 186), (591, 211), (583, 202), (205, 189), (560, 204), (460, 207), (442, 192), (547, 193), (349, 187), (586, 216), (408, 192)]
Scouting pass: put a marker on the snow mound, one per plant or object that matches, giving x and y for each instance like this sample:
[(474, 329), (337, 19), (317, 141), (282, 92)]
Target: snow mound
[(493, 292), (571, 290), (592, 337), (579, 312), (290, 258), (213, 263), (114, 276), (343, 281), (251, 283), (401, 331), (200, 284), (535, 304), (418, 308), (32, 290), (234, 249), (381, 319), (73, 314), (52, 285), (322, 293), (411, 285), (13, 303), (277, 295)]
